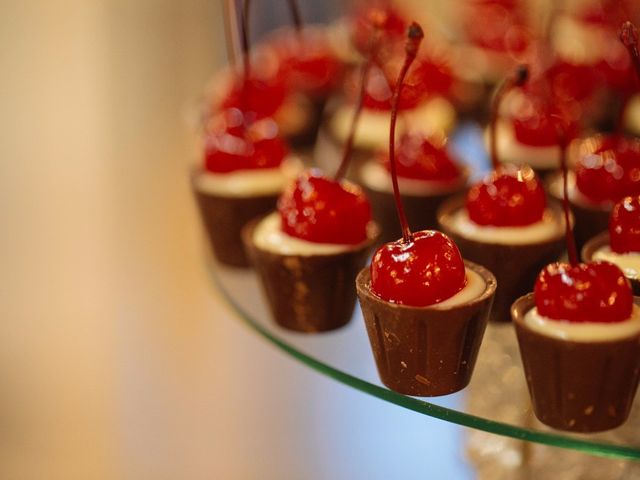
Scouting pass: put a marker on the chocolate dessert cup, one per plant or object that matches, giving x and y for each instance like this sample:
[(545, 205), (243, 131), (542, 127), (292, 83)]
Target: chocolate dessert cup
[(223, 218), (589, 221), (598, 242), (425, 351), (514, 266), (577, 386), (309, 293)]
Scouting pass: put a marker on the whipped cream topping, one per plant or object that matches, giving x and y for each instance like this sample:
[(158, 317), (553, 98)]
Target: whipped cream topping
[(249, 183), (372, 131), (628, 262), (268, 236), (473, 289), (375, 176), (579, 42), (583, 331), (511, 150), (551, 226)]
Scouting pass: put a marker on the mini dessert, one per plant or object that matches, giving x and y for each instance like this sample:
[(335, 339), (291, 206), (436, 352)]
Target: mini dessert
[(620, 245), (246, 168), (505, 224), (579, 337), (308, 253), (425, 309), (427, 175)]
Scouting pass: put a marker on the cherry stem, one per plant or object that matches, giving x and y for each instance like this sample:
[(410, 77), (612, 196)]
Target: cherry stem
[(229, 13), (414, 37), (517, 80), (294, 8), (629, 38), (364, 75), (572, 250)]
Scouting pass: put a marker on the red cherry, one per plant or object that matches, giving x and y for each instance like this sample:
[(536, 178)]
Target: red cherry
[(624, 225), (587, 292), (503, 28), (424, 271), (610, 168), (510, 196), (257, 97), (319, 209), (423, 159), (306, 62), (570, 82), (427, 77), (391, 26), (231, 146)]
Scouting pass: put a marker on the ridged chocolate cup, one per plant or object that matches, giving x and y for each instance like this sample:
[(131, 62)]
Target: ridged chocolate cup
[(421, 210), (577, 386), (224, 217), (514, 266), (597, 243), (309, 293), (589, 221), (425, 351)]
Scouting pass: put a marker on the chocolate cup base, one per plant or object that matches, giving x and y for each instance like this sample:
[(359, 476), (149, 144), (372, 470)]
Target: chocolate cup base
[(425, 351), (312, 293), (224, 218), (515, 267), (598, 242), (577, 386), (420, 211), (306, 137)]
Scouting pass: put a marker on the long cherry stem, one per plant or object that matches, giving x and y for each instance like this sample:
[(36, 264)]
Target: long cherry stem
[(230, 21), (517, 80), (364, 75), (415, 36), (629, 38), (294, 8), (572, 250)]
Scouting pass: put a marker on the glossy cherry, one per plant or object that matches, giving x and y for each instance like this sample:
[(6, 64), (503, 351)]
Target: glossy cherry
[(609, 168), (499, 26), (388, 20), (422, 268), (422, 158), (421, 272), (257, 97), (624, 225), (586, 292), (231, 145), (319, 209), (507, 197)]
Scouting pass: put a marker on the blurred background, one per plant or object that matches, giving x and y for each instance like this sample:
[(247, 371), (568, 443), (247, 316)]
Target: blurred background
[(118, 359)]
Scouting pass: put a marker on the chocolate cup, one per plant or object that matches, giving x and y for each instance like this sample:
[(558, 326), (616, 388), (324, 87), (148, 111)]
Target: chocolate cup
[(589, 221), (425, 351), (514, 266), (598, 242), (223, 219), (311, 293), (577, 386)]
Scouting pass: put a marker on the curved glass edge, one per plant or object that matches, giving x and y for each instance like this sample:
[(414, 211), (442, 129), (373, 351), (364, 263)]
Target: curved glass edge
[(602, 449)]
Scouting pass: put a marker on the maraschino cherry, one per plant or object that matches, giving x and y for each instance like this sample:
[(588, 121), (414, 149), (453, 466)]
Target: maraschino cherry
[(624, 225), (391, 26), (238, 137), (423, 158), (422, 268), (320, 209), (509, 195), (582, 292)]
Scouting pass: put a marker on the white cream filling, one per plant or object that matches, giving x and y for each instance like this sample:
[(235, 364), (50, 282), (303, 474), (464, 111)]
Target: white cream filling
[(372, 131), (268, 236), (513, 151), (375, 176), (628, 262), (473, 289), (549, 227), (250, 182), (579, 42), (632, 115), (583, 331)]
